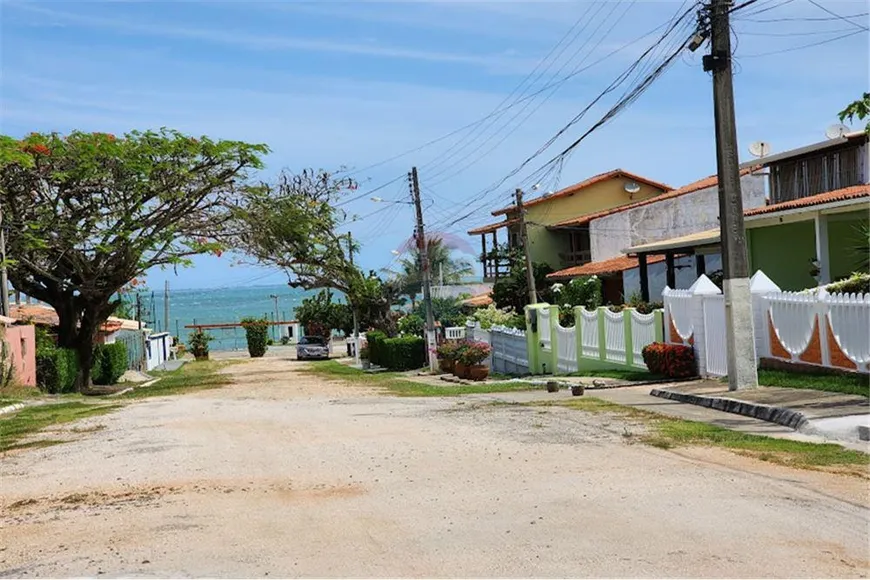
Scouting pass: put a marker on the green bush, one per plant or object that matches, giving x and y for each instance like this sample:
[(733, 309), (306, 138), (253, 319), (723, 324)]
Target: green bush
[(404, 353), (411, 324), (857, 283), (257, 334), (110, 362), (375, 339), (56, 369)]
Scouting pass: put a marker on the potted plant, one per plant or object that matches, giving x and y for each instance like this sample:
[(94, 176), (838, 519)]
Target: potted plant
[(446, 353), (460, 368), (577, 390), (472, 356), (198, 342)]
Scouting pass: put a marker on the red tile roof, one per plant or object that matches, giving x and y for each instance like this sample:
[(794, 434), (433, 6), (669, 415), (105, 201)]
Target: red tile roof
[(710, 181), (44, 315), (572, 189), (478, 301), (854, 192), (492, 227), (602, 268)]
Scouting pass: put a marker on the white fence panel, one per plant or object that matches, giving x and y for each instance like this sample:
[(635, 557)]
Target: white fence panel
[(567, 344), (588, 322), (614, 336), (454, 333), (544, 328), (643, 332), (793, 318), (715, 353), (509, 351), (678, 309), (849, 317)]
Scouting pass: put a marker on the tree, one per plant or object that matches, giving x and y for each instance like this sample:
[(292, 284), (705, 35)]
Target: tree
[(859, 109), (441, 264), (512, 291), (88, 212)]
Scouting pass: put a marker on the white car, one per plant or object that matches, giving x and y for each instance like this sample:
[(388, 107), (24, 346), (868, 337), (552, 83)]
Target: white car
[(312, 347)]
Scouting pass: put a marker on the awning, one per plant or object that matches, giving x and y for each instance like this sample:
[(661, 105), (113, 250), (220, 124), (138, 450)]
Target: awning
[(705, 238), (488, 229), (602, 268)]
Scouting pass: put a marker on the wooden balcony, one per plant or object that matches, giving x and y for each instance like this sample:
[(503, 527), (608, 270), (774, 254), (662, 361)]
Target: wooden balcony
[(577, 258)]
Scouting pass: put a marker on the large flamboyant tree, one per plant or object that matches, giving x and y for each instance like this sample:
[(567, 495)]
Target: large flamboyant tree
[(86, 213)]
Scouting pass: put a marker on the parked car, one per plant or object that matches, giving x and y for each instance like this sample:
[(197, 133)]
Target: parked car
[(312, 347)]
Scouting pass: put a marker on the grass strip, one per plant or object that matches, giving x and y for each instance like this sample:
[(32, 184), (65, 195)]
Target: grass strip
[(190, 377), (850, 384), (30, 420)]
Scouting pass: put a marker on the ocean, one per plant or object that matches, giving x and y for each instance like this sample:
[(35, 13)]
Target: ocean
[(217, 305)]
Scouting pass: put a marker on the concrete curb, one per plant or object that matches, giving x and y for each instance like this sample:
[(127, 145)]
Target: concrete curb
[(779, 415), (12, 408)]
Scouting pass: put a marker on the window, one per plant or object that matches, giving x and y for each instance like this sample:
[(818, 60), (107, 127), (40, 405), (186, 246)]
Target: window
[(827, 171)]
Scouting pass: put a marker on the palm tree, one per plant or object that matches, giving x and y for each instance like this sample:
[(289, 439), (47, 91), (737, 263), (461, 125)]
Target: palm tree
[(441, 266)]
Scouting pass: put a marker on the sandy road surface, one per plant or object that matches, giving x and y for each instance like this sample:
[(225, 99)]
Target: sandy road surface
[(283, 475)]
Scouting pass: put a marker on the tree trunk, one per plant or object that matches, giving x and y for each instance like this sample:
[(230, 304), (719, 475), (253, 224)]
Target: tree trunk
[(77, 330)]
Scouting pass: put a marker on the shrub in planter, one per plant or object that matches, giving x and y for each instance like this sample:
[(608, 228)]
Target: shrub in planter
[(472, 356), (446, 353), (257, 335), (671, 360), (110, 362), (198, 342)]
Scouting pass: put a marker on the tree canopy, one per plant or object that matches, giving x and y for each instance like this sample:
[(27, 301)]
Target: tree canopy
[(88, 212), (441, 264)]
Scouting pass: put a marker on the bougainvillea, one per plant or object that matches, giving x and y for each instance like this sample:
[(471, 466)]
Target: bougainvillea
[(670, 360)]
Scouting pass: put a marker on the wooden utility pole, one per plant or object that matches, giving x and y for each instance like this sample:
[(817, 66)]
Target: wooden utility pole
[(527, 251), (353, 306), (276, 334), (739, 339), (4, 282), (424, 268)]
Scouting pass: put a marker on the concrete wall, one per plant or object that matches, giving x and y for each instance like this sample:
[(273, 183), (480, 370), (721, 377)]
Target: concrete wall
[(844, 237), (669, 218), (784, 252), (21, 345), (157, 349), (546, 245)]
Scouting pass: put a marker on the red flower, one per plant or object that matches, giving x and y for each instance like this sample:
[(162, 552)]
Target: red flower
[(218, 253), (37, 149)]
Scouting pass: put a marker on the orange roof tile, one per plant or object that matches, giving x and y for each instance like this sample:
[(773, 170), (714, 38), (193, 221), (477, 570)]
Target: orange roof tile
[(44, 315), (572, 189), (602, 268), (478, 301), (846, 193), (492, 227), (710, 181)]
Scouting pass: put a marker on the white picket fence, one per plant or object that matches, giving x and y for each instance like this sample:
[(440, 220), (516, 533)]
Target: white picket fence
[(831, 330)]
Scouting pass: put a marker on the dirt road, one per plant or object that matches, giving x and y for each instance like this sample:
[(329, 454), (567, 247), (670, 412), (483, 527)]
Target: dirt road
[(283, 474)]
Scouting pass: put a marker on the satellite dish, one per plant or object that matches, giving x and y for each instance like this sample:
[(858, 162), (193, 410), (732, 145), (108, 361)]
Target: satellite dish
[(760, 149), (836, 131), (631, 187)]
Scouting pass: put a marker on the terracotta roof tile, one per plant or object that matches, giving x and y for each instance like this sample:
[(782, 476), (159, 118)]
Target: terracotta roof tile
[(478, 301), (710, 181), (42, 314), (604, 267), (571, 189), (854, 192), (492, 227)]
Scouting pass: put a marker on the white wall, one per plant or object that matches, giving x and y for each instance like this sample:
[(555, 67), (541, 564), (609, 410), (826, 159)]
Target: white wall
[(669, 218), (157, 349)]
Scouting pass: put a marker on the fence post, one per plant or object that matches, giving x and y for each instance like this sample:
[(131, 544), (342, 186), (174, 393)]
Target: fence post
[(822, 308), (760, 286), (554, 339), (659, 325), (602, 341), (629, 339), (578, 333), (702, 288)]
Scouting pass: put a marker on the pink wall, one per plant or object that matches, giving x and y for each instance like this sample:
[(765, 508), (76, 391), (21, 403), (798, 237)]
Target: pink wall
[(22, 350)]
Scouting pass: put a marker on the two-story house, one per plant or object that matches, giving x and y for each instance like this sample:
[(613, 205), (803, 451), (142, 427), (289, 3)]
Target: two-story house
[(812, 229), (561, 248)]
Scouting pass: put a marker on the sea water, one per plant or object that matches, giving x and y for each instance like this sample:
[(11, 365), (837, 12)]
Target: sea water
[(221, 305)]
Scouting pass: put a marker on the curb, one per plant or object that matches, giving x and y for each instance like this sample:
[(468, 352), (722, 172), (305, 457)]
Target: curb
[(12, 408), (779, 415)]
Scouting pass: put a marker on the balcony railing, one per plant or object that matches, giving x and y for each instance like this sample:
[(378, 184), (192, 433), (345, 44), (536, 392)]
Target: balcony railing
[(576, 258)]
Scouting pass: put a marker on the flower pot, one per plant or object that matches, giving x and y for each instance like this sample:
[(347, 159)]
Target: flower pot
[(446, 365), (478, 372), (552, 387), (577, 390), (460, 370), (201, 356)]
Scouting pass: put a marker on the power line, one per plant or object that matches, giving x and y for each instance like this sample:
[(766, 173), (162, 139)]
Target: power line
[(832, 13), (803, 46), (805, 19), (369, 192)]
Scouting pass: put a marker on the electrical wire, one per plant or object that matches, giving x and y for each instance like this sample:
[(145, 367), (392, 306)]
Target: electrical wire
[(805, 19), (803, 46), (832, 13), (371, 191)]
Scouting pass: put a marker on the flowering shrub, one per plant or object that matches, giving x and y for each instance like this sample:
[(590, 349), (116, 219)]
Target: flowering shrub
[(447, 350), (670, 360), (492, 316), (474, 353)]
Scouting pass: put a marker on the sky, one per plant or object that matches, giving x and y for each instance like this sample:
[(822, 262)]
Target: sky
[(354, 85)]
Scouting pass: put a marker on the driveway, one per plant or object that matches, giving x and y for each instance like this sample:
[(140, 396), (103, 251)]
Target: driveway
[(284, 474)]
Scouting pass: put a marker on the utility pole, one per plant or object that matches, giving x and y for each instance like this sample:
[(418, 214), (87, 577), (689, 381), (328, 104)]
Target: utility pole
[(166, 306), (424, 267), (353, 307), (277, 330), (739, 337), (530, 274), (4, 282)]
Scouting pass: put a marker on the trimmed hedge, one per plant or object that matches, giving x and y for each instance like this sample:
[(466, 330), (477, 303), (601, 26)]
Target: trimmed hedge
[(257, 335), (396, 354), (56, 369), (671, 360), (110, 362)]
